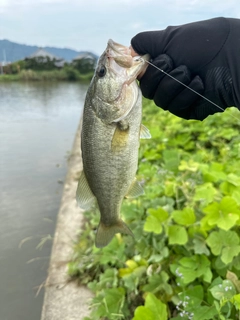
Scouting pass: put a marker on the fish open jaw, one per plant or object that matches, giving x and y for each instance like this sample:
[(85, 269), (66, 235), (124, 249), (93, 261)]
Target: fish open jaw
[(118, 48)]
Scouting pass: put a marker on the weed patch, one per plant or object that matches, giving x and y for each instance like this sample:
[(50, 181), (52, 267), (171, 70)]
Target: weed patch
[(185, 260)]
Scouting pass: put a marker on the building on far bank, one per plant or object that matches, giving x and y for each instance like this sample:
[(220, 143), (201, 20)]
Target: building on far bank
[(85, 62), (42, 56)]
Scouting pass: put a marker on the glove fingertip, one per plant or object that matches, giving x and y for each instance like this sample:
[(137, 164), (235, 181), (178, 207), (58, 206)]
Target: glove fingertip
[(154, 75), (148, 42), (198, 84)]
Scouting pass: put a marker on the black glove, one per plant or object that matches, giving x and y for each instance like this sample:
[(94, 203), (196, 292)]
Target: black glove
[(204, 55)]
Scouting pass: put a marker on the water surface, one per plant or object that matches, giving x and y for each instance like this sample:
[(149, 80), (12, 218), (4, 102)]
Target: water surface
[(38, 123)]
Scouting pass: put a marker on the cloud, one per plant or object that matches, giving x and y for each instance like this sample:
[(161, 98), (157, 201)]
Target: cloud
[(72, 3), (206, 5), (88, 24)]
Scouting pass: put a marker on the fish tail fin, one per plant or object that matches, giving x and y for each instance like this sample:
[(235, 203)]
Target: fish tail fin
[(106, 233)]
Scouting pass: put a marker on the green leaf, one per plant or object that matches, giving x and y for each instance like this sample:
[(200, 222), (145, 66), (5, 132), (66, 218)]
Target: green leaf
[(185, 217), (143, 313), (158, 308), (170, 188), (159, 213), (189, 262), (195, 296), (188, 275), (236, 196), (229, 253), (227, 188), (191, 301), (233, 179), (205, 313), (152, 225), (177, 235), (213, 173), (154, 309), (194, 267), (205, 193), (207, 275), (114, 298), (190, 165), (130, 211), (230, 238), (171, 159), (157, 283), (200, 247), (225, 243), (226, 290), (229, 208), (151, 154), (109, 302), (215, 242), (236, 301), (109, 277), (223, 214), (115, 250), (154, 220), (131, 282)]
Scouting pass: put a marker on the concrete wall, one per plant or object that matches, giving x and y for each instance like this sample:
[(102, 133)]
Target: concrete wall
[(65, 300)]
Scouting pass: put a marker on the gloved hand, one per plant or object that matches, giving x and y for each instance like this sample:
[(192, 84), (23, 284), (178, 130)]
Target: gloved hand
[(204, 55)]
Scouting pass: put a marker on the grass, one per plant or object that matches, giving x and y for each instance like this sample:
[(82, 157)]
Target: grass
[(65, 74)]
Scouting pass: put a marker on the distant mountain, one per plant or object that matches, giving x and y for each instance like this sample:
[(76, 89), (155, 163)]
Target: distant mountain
[(12, 51)]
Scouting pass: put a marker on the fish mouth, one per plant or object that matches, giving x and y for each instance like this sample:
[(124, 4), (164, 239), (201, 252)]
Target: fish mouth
[(119, 48), (120, 56), (122, 63), (124, 70)]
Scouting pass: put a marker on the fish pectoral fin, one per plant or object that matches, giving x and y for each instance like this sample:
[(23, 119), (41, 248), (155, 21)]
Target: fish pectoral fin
[(144, 132), (135, 190), (84, 196), (120, 138), (106, 233)]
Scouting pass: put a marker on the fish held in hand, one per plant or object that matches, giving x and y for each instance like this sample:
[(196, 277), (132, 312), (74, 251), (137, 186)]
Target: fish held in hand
[(111, 129)]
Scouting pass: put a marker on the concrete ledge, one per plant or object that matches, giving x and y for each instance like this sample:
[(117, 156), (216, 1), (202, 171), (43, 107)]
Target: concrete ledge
[(65, 300)]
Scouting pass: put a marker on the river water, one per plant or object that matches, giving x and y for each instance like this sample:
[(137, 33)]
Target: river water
[(38, 122)]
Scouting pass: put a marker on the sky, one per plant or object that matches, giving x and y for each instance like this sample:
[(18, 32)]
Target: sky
[(86, 25)]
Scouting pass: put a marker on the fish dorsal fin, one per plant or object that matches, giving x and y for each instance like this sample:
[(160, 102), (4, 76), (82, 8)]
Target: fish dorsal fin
[(135, 190), (144, 132), (84, 196)]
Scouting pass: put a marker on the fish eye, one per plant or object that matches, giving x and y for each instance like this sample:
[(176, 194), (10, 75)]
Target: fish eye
[(102, 71)]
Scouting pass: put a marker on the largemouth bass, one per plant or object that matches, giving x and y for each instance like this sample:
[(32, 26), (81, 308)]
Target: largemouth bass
[(110, 139)]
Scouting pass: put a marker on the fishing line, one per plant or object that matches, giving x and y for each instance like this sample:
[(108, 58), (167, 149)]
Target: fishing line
[(186, 86), (200, 95)]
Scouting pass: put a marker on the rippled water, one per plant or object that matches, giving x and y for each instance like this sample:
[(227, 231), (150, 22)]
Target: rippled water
[(38, 123)]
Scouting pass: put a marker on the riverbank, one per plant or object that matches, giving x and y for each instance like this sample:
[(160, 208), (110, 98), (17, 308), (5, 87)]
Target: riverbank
[(65, 74), (65, 299)]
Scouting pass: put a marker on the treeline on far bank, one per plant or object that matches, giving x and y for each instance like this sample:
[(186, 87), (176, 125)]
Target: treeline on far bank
[(48, 70)]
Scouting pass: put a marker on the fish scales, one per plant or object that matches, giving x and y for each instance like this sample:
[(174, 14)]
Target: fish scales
[(110, 172), (110, 139)]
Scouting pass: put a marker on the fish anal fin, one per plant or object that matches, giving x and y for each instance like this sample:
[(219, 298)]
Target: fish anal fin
[(144, 132), (106, 233), (84, 196), (120, 137), (135, 190)]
